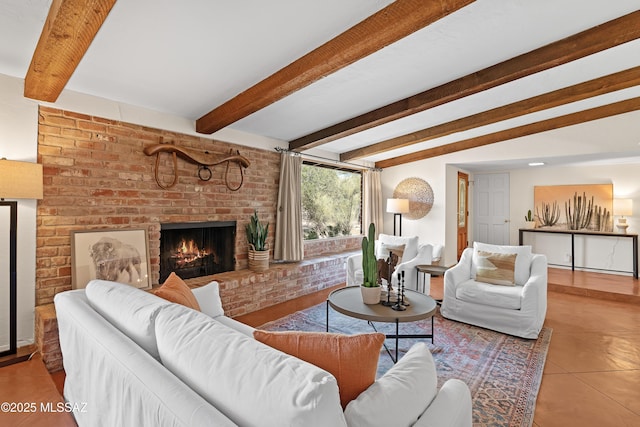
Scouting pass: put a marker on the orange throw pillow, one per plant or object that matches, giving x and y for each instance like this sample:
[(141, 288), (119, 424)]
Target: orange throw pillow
[(175, 290), (352, 359)]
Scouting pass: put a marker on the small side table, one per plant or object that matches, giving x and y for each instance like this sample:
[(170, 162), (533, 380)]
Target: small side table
[(431, 269)]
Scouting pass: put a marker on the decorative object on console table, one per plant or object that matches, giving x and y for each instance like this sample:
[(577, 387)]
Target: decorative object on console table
[(117, 255), (420, 195), (258, 248), (529, 221), (370, 287), (622, 207), (18, 180), (397, 207), (550, 214)]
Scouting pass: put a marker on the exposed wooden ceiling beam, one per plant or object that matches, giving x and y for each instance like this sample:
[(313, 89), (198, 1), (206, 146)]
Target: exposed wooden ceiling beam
[(596, 39), (595, 87), (67, 33), (396, 21), (517, 132)]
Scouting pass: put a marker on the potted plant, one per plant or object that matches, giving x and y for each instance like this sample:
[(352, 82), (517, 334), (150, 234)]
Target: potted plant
[(529, 221), (370, 286), (258, 247)]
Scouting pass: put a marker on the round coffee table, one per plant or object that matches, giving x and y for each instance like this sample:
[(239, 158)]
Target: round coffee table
[(348, 301)]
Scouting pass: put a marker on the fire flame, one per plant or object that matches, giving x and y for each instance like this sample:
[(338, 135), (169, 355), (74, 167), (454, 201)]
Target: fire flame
[(187, 252)]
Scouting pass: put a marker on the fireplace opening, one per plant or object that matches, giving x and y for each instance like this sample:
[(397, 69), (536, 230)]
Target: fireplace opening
[(197, 249)]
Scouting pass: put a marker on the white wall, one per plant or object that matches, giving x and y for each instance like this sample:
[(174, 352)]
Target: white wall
[(600, 253), (439, 226), (427, 228), (19, 141), (625, 178)]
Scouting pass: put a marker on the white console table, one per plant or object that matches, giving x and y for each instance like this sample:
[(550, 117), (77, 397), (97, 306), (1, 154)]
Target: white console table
[(573, 233)]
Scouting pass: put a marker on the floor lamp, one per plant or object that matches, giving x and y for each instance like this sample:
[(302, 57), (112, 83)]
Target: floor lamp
[(397, 207), (18, 180)]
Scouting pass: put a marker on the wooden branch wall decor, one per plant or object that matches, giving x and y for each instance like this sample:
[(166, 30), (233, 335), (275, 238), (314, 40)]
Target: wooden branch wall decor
[(203, 159)]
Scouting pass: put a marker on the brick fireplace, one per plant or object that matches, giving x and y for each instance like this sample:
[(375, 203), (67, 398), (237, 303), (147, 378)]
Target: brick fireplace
[(196, 249), (96, 176)]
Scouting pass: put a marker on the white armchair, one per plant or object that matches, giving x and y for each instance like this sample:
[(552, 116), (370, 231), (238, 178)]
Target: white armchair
[(414, 254), (515, 310)]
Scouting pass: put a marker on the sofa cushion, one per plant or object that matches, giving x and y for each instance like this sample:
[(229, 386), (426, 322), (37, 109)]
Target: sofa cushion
[(400, 396), (508, 297), (497, 269), (523, 259), (352, 359), (131, 310), (238, 326), (208, 297), (250, 382), (410, 245), (175, 290)]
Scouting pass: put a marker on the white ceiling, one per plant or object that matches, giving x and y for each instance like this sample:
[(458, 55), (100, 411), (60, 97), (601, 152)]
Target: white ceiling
[(187, 57)]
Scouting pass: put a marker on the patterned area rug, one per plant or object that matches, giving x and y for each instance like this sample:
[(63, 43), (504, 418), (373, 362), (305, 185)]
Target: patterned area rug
[(502, 372)]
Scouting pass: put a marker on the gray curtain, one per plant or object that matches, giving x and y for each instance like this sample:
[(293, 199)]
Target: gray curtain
[(372, 209), (289, 244)]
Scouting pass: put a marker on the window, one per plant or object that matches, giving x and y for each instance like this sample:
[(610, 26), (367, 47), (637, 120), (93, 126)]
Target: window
[(330, 201)]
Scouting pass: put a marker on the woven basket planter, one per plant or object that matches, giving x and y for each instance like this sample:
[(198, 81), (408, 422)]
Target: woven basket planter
[(258, 260)]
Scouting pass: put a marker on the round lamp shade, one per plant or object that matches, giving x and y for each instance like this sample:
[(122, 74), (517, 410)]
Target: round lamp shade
[(420, 196)]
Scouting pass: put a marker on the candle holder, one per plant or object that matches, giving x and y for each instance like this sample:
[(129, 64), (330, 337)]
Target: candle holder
[(400, 303), (388, 302), (404, 301)]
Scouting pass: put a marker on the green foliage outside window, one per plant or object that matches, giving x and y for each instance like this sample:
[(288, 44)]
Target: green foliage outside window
[(330, 202)]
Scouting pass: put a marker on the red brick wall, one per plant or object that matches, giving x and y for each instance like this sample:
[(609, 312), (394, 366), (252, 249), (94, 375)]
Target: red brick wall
[(97, 176)]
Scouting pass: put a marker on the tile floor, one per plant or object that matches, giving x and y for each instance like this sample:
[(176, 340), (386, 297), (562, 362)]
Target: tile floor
[(592, 373), (29, 390), (591, 377)]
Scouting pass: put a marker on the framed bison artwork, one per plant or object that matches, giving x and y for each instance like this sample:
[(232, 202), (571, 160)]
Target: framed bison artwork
[(118, 255)]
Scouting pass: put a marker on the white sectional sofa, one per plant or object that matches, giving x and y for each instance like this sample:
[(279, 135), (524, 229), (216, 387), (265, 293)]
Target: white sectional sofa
[(134, 359)]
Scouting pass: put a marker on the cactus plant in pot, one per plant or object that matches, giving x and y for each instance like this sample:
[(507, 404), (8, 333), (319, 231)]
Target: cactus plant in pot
[(370, 286), (529, 220), (258, 246)]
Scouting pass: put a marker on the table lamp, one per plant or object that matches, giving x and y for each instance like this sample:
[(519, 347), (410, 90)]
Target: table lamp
[(622, 207)]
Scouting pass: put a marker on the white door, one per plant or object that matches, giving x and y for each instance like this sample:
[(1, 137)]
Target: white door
[(491, 208)]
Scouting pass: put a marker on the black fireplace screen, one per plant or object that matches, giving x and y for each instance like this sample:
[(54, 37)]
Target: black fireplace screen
[(197, 249)]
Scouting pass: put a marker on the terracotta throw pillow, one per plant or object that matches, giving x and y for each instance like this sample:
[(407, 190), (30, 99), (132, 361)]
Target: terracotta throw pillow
[(352, 359), (175, 290), (497, 269)]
